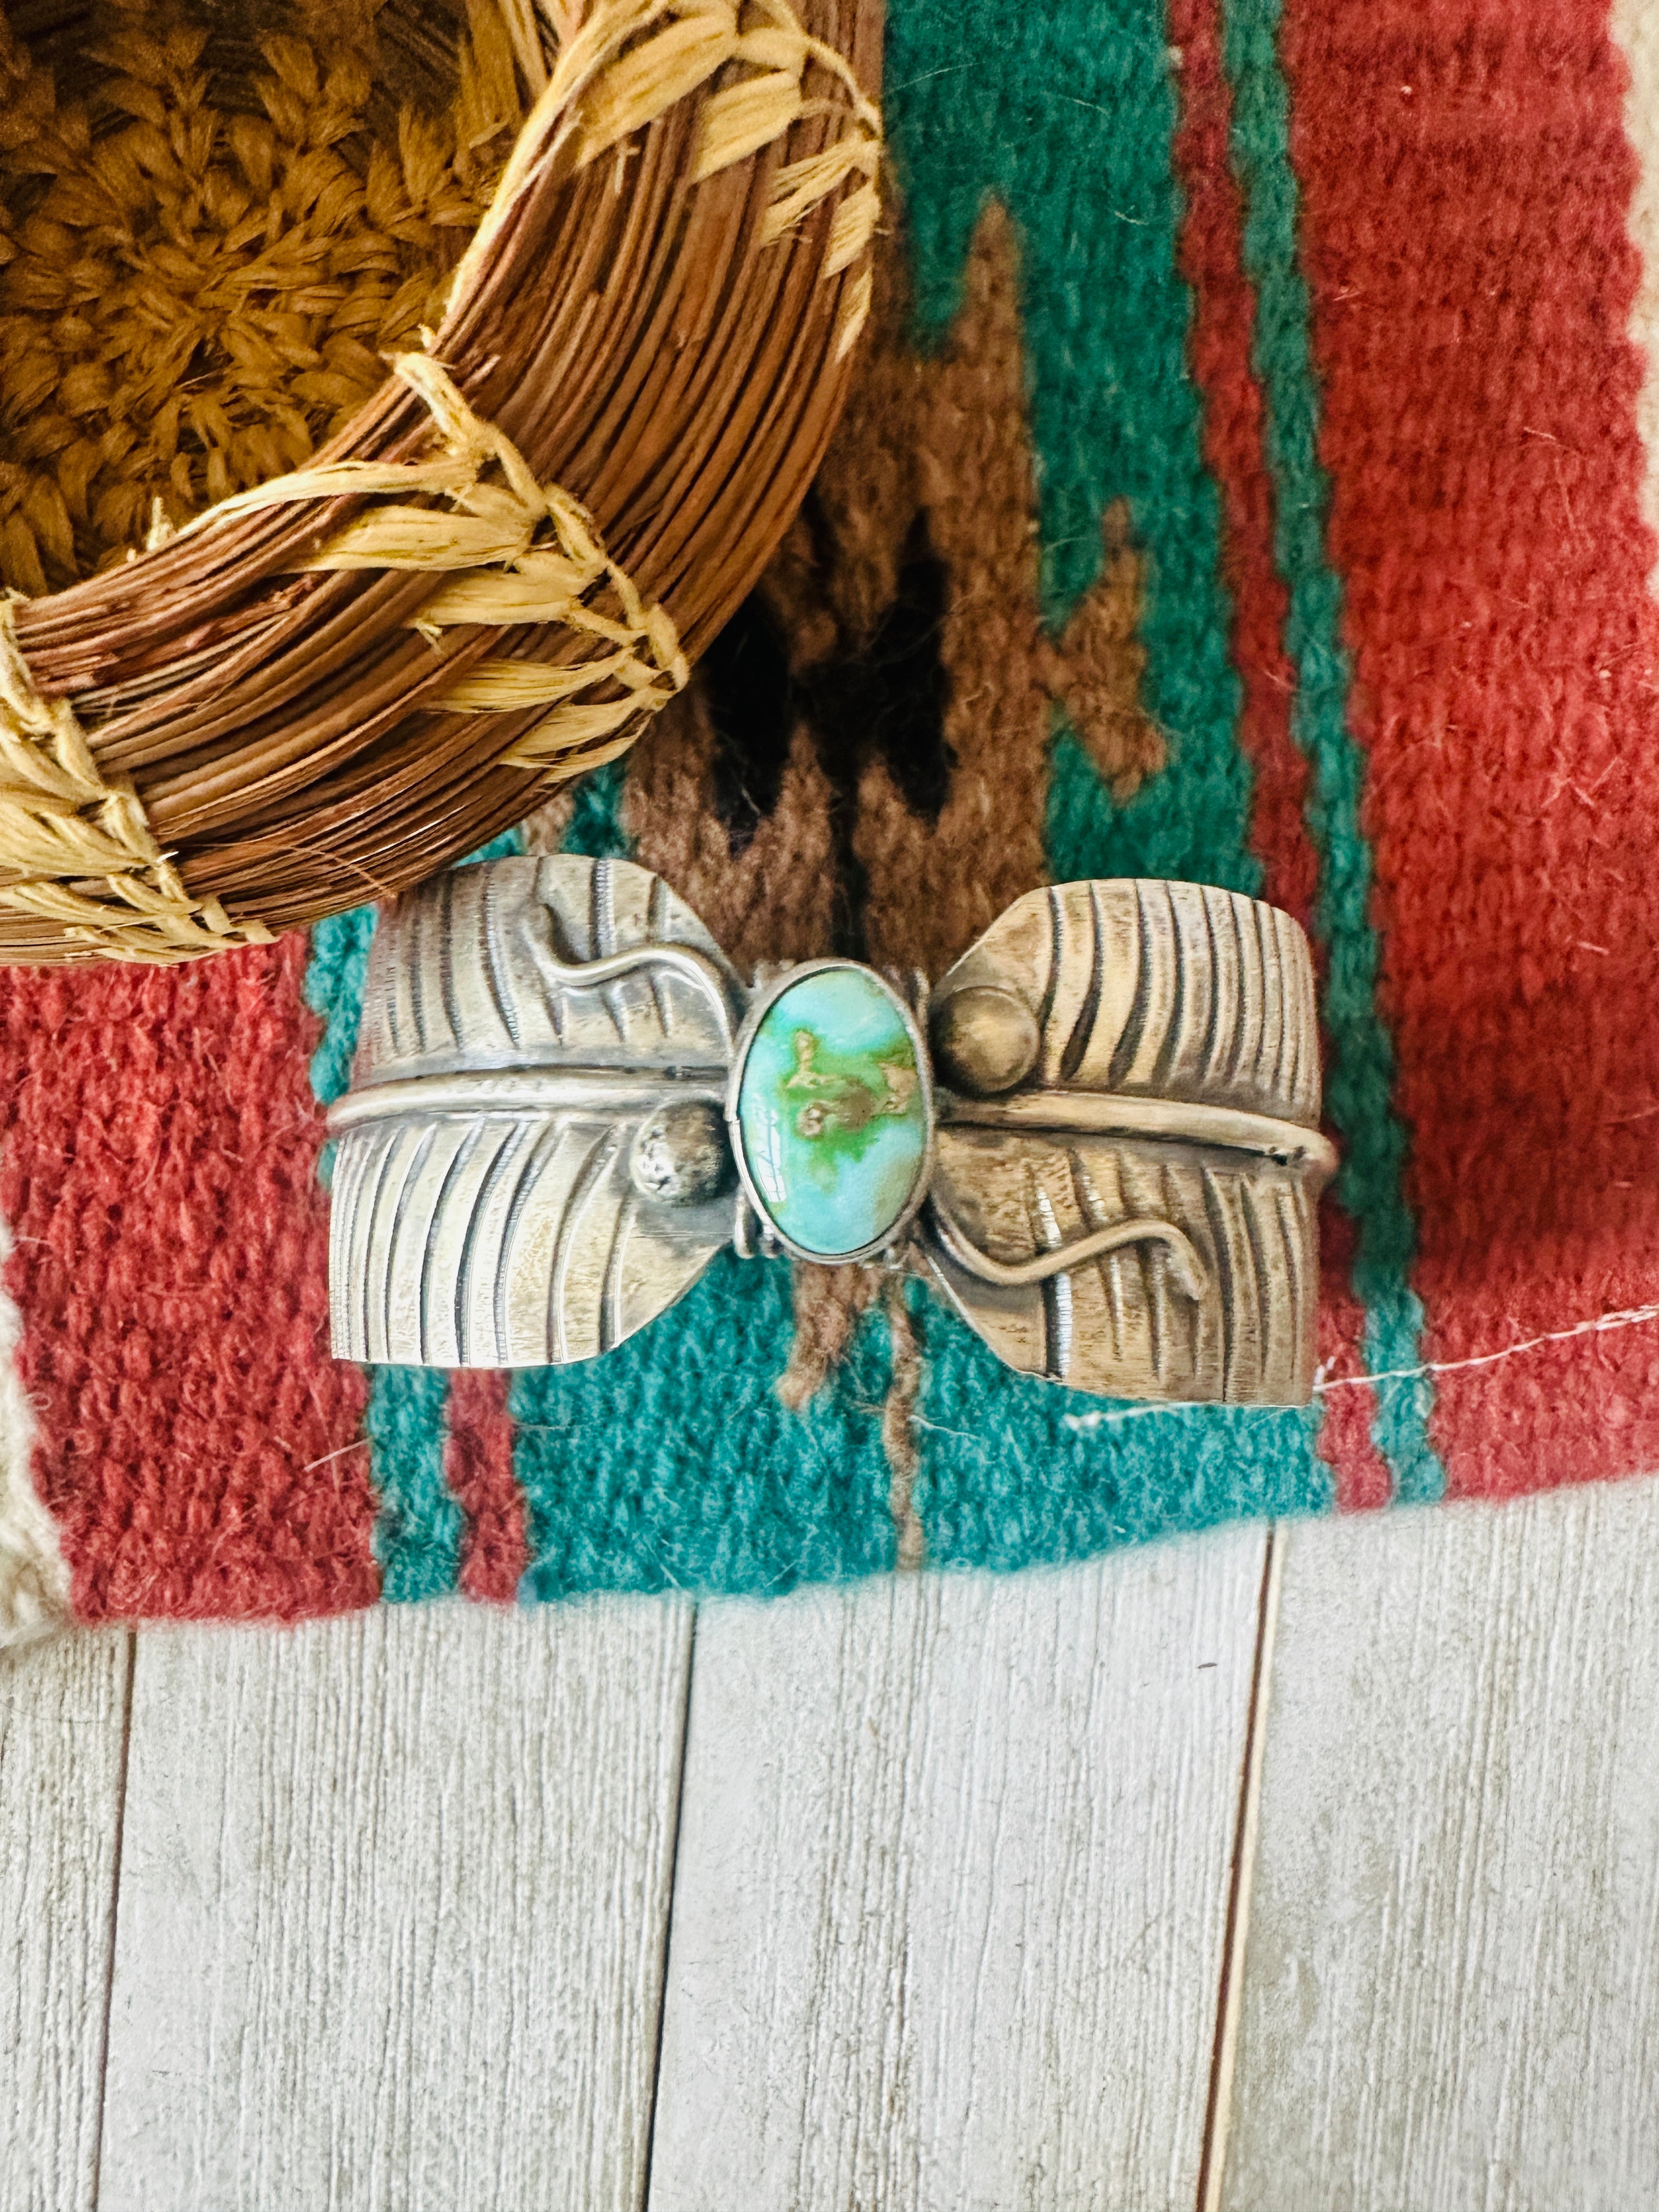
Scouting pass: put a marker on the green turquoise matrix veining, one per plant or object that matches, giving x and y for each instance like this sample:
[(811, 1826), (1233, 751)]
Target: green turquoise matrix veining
[(830, 1115)]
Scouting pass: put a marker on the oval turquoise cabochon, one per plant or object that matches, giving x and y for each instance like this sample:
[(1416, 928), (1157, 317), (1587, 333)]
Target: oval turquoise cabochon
[(830, 1115)]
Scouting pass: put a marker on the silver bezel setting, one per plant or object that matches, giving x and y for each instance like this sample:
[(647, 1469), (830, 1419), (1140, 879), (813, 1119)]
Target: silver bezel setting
[(760, 1006)]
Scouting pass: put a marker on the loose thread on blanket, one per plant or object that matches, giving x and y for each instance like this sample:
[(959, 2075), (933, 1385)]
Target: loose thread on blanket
[(1599, 1324)]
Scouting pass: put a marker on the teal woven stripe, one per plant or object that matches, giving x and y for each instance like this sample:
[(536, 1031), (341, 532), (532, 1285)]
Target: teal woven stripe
[(334, 990), (1360, 1089), (595, 828), (418, 1528), (672, 1463), (1067, 114)]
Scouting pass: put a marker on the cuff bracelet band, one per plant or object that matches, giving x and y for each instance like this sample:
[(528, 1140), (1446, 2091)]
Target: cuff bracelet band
[(1097, 1133)]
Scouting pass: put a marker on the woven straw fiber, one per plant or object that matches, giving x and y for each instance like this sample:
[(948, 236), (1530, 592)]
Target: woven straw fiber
[(342, 675), (1242, 481), (195, 301)]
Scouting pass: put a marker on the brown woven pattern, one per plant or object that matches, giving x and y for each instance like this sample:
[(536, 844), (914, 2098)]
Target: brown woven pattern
[(882, 792)]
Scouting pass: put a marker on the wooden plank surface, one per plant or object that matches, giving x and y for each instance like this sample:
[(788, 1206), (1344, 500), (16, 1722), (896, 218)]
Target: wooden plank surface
[(953, 1867), (1451, 1981), (953, 1882), (63, 1707), (392, 1905)]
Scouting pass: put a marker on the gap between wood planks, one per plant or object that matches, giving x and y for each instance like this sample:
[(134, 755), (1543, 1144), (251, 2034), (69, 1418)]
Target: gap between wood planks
[(1228, 1993), (668, 1917), (1218, 2113), (1241, 1879), (131, 1670)]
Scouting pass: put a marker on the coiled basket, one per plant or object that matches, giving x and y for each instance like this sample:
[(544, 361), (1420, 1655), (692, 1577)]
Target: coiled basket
[(394, 401)]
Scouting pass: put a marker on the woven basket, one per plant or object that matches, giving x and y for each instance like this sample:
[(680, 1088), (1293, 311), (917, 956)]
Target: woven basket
[(374, 614)]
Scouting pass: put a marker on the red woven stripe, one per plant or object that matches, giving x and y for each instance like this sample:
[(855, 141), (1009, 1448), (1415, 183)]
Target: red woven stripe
[(1224, 320), (1465, 181), (160, 1150), (479, 1465)]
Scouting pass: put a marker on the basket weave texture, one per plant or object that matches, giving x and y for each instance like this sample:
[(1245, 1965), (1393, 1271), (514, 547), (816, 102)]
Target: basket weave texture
[(618, 258)]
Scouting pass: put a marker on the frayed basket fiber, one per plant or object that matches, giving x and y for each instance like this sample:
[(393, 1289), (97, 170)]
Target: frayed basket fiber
[(396, 399)]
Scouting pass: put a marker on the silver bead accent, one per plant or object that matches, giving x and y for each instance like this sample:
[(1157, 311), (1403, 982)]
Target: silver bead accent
[(1133, 1214), (679, 1155), (985, 1040), (1124, 1156)]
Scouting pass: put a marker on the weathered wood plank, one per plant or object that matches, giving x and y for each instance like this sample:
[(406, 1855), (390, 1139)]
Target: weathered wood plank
[(952, 1880), (62, 1711), (1635, 26), (392, 1905), (1451, 1979)]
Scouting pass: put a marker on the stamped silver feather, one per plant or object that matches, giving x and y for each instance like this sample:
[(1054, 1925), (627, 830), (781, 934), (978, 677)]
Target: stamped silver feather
[(531, 1162), (1128, 1151)]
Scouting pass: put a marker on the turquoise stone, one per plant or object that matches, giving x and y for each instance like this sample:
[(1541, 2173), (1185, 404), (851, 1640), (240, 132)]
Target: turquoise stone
[(829, 1112)]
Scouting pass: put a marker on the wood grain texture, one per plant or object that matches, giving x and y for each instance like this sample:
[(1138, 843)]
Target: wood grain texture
[(1451, 1981), (953, 1882), (62, 1711), (392, 1905)]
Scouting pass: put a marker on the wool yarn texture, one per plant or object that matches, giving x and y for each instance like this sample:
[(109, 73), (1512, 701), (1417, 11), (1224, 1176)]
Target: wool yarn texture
[(1250, 476)]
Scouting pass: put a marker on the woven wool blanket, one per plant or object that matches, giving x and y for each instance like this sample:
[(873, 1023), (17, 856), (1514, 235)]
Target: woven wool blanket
[(1250, 479)]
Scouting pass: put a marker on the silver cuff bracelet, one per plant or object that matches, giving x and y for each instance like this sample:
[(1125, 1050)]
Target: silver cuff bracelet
[(1099, 1132)]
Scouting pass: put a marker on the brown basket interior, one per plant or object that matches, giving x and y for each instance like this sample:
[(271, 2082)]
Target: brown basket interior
[(217, 217)]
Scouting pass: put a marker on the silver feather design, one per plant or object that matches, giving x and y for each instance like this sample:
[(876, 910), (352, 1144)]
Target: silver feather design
[(1136, 1216), (520, 1020)]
